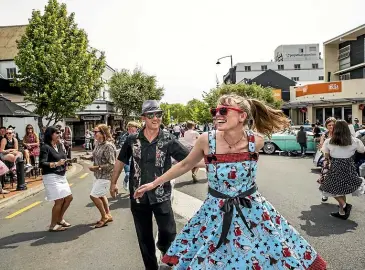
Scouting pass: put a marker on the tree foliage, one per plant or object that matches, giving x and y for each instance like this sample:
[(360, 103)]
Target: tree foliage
[(246, 90), (195, 110), (57, 69), (130, 89)]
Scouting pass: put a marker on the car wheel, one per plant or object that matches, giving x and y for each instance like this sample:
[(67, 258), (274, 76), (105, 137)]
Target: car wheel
[(269, 148)]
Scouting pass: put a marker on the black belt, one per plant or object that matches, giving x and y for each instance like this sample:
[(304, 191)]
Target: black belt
[(227, 208)]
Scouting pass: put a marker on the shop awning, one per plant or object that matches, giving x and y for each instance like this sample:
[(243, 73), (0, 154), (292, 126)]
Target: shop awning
[(300, 104)]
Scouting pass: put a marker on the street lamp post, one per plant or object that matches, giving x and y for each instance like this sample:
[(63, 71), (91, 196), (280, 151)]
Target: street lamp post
[(230, 56), (232, 70)]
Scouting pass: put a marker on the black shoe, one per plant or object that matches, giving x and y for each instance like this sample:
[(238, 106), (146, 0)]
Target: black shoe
[(348, 209), (324, 198), (338, 215)]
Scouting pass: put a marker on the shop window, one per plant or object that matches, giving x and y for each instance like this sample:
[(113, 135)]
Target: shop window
[(280, 67), (247, 68), (315, 66), (301, 50), (337, 113), (296, 79), (321, 78), (296, 66), (264, 67), (319, 115), (347, 113), (327, 113)]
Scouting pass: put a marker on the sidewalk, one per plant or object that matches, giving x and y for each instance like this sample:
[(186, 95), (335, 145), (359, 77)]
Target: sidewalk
[(34, 186)]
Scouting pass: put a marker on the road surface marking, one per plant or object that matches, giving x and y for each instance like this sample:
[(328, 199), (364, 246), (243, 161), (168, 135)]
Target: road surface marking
[(23, 209), (71, 184), (84, 175)]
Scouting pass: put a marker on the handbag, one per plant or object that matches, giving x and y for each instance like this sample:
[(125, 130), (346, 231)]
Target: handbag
[(3, 168)]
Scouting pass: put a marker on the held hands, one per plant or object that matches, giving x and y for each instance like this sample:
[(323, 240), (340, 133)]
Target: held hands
[(113, 190), (142, 189), (94, 168), (61, 162)]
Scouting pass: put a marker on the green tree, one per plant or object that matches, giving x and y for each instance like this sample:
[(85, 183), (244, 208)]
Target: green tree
[(130, 89), (198, 111), (60, 73), (246, 90)]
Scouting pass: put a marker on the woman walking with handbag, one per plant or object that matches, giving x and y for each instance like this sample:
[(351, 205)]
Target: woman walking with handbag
[(104, 156), (52, 161)]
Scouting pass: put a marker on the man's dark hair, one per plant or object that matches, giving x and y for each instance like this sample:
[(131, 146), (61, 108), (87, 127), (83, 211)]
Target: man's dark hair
[(349, 120), (2, 127), (341, 134), (48, 134)]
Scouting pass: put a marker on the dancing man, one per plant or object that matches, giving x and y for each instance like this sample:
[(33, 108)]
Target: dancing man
[(150, 151), (236, 227)]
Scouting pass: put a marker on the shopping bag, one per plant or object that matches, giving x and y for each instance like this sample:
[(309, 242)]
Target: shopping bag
[(3, 168)]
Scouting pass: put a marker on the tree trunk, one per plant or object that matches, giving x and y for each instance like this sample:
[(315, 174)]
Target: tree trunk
[(40, 123)]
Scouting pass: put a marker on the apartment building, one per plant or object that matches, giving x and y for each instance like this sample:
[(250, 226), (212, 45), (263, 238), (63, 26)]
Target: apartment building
[(342, 95)]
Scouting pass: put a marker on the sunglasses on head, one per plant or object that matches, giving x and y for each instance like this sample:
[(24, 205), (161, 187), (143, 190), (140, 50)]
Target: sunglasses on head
[(223, 110), (97, 131), (152, 115)]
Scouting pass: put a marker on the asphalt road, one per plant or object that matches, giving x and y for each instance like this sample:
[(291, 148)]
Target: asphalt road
[(289, 183), (26, 244)]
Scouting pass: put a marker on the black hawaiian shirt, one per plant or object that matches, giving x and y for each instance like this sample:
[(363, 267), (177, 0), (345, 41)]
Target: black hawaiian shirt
[(149, 161)]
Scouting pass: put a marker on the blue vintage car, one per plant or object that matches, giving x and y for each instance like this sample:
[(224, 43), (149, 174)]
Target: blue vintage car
[(286, 141)]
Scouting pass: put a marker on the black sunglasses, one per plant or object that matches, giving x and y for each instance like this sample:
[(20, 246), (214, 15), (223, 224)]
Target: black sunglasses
[(223, 110), (152, 115)]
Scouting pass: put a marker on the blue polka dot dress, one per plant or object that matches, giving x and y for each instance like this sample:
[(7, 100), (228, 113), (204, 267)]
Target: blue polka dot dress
[(237, 228)]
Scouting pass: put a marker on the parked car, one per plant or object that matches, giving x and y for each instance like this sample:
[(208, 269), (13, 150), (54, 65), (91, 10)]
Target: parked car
[(287, 141)]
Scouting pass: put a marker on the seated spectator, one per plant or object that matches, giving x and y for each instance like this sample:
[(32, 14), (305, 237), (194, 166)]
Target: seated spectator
[(9, 149), (31, 146)]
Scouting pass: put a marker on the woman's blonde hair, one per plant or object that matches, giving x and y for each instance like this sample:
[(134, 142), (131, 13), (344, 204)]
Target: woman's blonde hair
[(266, 120), (329, 120), (104, 129)]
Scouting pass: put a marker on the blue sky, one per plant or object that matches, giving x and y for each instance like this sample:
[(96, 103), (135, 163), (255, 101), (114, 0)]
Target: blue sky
[(180, 41)]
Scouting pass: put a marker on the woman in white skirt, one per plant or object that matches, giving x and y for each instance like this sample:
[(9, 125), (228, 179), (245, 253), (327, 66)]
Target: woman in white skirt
[(342, 178), (52, 161), (104, 156)]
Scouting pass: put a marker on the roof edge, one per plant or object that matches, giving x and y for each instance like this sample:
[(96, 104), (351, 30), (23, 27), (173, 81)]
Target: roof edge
[(344, 34)]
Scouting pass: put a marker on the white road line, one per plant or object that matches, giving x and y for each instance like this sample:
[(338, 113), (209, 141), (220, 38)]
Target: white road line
[(185, 205)]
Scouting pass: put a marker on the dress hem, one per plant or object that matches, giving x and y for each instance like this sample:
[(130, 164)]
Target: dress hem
[(318, 264)]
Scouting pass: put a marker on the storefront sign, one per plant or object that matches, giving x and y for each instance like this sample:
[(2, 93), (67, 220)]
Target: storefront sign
[(319, 88), (277, 94), (91, 117)]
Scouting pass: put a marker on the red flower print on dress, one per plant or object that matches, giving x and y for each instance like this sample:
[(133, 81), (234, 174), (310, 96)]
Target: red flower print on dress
[(233, 173)]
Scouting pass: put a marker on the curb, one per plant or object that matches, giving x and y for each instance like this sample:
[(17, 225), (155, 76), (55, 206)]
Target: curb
[(75, 169)]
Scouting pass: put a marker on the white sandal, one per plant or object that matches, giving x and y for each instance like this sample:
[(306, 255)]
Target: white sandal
[(57, 228), (65, 224)]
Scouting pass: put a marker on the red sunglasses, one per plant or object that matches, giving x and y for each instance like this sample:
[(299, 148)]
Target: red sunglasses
[(223, 110)]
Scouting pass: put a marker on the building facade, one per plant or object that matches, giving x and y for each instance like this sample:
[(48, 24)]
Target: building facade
[(300, 63), (343, 94)]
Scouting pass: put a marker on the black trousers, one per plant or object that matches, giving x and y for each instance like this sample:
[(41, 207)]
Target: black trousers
[(303, 148), (142, 215)]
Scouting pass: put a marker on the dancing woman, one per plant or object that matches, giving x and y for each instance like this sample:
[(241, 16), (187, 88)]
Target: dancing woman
[(236, 228), (104, 156), (52, 161), (342, 177), (329, 125)]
